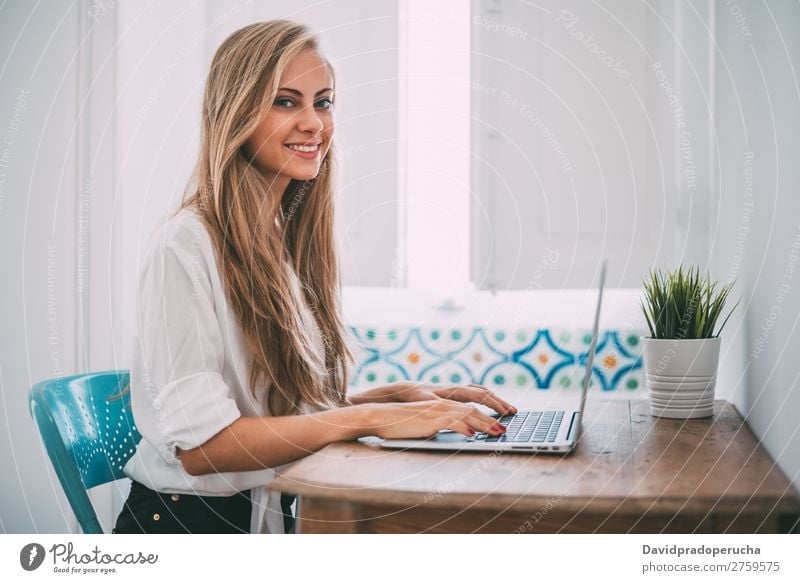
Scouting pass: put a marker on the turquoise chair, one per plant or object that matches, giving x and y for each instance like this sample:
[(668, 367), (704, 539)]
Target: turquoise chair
[(88, 432)]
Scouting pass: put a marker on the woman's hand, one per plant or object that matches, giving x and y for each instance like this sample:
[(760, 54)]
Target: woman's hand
[(425, 418), (464, 393)]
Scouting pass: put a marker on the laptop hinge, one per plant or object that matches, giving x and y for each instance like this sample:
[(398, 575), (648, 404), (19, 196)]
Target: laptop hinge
[(575, 415)]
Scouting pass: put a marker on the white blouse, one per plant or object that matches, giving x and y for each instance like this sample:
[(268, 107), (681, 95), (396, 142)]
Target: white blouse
[(190, 369)]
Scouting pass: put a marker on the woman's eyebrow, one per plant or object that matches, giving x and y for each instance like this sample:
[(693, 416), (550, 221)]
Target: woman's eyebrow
[(300, 93)]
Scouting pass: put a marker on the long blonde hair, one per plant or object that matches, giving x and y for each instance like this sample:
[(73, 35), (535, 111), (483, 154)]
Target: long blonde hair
[(253, 253)]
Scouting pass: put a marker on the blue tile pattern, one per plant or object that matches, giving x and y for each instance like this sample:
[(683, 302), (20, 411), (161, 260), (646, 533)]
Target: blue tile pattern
[(495, 357)]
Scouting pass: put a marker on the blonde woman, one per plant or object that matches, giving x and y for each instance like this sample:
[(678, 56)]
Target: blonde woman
[(241, 362)]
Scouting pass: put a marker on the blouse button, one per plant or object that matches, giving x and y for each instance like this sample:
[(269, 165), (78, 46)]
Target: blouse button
[(156, 517), (175, 497)]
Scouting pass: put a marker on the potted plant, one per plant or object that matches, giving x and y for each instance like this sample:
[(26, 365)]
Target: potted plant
[(681, 354)]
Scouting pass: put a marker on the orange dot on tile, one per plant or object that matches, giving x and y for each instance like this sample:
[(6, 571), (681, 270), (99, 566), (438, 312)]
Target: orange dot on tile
[(543, 358), (477, 357), (413, 357), (610, 361)]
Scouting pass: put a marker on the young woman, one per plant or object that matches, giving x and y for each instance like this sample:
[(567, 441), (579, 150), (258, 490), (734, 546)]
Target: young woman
[(240, 367)]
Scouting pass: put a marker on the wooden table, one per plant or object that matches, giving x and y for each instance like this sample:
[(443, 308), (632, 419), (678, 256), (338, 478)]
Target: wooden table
[(631, 472)]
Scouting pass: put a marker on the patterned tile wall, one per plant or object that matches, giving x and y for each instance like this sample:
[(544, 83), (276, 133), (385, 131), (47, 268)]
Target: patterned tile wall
[(495, 357)]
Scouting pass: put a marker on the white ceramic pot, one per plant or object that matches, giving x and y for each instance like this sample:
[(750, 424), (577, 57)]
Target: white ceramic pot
[(680, 367)]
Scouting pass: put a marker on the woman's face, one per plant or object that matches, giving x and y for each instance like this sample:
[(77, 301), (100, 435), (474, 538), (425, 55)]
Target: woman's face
[(295, 134)]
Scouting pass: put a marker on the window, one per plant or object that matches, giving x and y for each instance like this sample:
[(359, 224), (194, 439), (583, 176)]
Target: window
[(565, 144)]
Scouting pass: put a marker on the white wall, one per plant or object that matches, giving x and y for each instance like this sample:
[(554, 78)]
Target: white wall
[(758, 239), (39, 189)]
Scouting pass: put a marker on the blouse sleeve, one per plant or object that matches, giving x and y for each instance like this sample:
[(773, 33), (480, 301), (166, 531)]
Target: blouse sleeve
[(182, 399)]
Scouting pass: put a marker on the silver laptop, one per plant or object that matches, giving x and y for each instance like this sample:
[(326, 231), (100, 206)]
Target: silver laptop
[(549, 430)]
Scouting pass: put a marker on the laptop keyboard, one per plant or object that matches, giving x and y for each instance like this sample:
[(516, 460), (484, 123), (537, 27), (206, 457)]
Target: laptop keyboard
[(527, 427)]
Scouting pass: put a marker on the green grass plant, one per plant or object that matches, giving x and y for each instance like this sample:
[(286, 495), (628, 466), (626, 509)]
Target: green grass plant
[(680, 304)]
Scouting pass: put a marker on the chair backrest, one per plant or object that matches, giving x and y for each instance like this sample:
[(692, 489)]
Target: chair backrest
[(88, 431)]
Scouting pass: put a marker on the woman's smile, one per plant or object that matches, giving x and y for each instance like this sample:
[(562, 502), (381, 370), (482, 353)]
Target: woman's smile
[(308, 151)]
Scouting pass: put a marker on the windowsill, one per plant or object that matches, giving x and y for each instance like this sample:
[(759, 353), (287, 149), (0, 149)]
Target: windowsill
[(567, 308)]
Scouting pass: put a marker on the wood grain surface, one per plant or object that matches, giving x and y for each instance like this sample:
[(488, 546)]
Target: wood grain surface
[(631, 472)]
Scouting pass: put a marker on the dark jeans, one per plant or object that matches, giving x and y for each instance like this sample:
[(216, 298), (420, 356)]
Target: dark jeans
[(151, 512)]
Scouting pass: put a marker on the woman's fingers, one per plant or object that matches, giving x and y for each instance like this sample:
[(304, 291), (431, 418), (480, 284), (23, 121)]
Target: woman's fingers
[(478, 421), (509, 408), (471, 426), (428, 417), (484, 396), (485, 423), (461, 427)]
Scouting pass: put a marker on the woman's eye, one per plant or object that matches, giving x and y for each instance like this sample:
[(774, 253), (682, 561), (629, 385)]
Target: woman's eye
[(282, 101), (324, 103)]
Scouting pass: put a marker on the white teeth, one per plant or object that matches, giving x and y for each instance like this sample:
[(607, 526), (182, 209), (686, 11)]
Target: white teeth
[(303, 148)]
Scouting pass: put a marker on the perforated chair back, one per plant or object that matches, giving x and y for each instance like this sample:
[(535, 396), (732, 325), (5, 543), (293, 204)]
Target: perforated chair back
[(88, 431)]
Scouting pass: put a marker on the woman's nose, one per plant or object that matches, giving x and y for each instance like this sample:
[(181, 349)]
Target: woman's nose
[(309, 120)]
